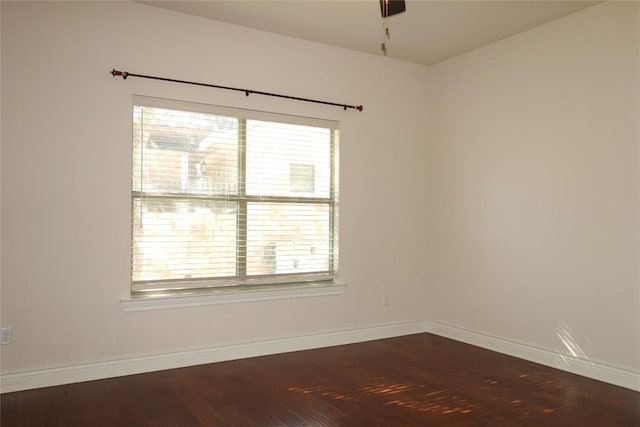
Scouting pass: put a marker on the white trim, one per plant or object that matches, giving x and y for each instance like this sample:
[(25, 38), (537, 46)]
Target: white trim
[(37, 378), (565, 362), (223, 296)]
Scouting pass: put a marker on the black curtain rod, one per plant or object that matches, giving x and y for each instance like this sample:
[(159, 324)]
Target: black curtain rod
[(247, 92)]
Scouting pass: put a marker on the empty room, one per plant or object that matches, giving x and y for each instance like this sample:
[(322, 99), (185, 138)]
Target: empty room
[(320, 213)]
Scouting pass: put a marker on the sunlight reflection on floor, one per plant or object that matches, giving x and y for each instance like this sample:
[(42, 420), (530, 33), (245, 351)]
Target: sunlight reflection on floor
[(433, 399), (398, 394)]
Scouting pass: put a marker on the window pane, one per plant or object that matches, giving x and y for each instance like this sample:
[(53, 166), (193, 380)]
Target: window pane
[(288, 160), (184, 152), (287, 238), (179, 239)]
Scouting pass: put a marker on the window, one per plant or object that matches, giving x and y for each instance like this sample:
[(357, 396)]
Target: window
[(228, 197)]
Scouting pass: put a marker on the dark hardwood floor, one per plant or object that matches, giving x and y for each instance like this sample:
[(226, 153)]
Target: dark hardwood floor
[(416, 380)]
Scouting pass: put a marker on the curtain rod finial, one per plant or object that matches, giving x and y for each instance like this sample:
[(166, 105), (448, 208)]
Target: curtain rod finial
[(115, 72)]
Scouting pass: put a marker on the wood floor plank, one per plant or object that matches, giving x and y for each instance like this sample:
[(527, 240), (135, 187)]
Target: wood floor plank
[(416, 380)]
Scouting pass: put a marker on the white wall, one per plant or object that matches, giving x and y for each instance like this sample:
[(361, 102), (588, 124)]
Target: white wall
[(526, 227), (533, 187), (66, 141)]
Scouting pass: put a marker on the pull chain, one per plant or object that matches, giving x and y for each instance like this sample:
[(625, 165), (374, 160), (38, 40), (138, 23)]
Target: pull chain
[(385, 26)]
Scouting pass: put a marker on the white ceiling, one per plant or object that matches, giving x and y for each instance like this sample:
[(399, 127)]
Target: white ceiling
[(428, 32)]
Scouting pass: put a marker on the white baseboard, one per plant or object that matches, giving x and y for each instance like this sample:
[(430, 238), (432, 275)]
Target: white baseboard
[(36, 378), (565, 362), (46, 377)]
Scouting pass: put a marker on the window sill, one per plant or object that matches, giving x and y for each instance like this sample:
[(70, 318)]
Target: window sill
[(196, 298)]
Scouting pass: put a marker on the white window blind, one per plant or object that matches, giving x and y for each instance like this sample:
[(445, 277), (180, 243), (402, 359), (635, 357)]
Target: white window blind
[(230, 197)]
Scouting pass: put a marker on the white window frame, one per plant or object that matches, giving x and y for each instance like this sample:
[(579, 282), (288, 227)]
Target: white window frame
[(264, 285)]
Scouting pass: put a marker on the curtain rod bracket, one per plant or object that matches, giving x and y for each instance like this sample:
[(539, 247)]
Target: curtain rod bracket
[(126, 74)]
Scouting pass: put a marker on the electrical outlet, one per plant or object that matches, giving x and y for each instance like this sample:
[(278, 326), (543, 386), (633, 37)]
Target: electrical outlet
[(5, 335), (387, 300)]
